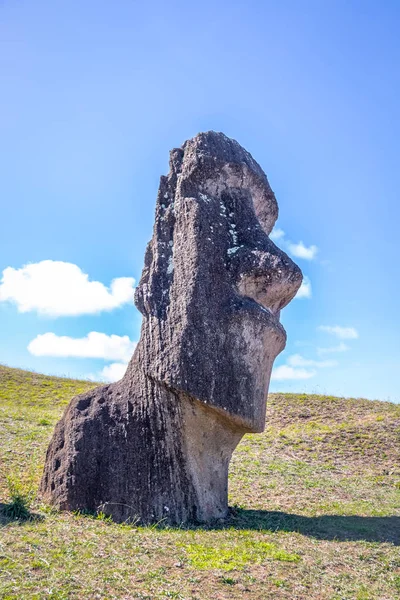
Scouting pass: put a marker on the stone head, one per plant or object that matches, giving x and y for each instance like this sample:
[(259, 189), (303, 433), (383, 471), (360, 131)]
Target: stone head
[(213, 282)]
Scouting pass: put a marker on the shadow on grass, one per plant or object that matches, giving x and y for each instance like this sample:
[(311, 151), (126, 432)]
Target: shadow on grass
[(325, 527), (6, 517), (338, 528)]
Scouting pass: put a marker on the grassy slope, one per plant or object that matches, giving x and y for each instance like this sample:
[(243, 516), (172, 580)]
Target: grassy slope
[(317, 511)]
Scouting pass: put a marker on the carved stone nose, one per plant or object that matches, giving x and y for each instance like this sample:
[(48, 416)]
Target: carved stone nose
[(267, 275)]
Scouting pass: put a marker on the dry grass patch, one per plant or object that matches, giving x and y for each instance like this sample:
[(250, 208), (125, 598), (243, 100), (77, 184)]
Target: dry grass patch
[(316, 511)]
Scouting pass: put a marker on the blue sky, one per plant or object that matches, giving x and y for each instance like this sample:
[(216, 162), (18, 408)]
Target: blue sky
[(93, 96)]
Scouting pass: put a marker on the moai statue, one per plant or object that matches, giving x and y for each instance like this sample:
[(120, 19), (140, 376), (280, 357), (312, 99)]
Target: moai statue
[(157, 444)]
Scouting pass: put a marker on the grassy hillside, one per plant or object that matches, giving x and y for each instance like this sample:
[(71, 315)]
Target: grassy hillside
[(316, 511)]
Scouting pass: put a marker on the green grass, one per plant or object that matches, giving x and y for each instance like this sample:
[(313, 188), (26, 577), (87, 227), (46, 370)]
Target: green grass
[(230, 556), (316, 511), (20, 498)]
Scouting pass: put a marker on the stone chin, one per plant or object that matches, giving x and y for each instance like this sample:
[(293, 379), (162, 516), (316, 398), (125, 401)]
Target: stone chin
[(259, 339)]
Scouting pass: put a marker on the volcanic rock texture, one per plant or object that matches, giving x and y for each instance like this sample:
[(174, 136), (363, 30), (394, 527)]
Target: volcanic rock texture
[(157, 444)]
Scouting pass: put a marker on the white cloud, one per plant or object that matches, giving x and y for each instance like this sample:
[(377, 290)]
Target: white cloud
[(94, 345), (342, 347), (56, 288), (276, 234), (110, 373), (298, 367), (305, 290), (343, 333), (286, 372), (301, 251), (113, 372), (296, 360)]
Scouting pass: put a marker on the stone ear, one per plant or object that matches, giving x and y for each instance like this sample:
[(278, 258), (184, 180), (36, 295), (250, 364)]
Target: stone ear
[(141, 291), (152, 292)]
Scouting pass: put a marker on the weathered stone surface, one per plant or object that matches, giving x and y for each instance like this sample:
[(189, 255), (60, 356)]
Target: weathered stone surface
[(157, 444)]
